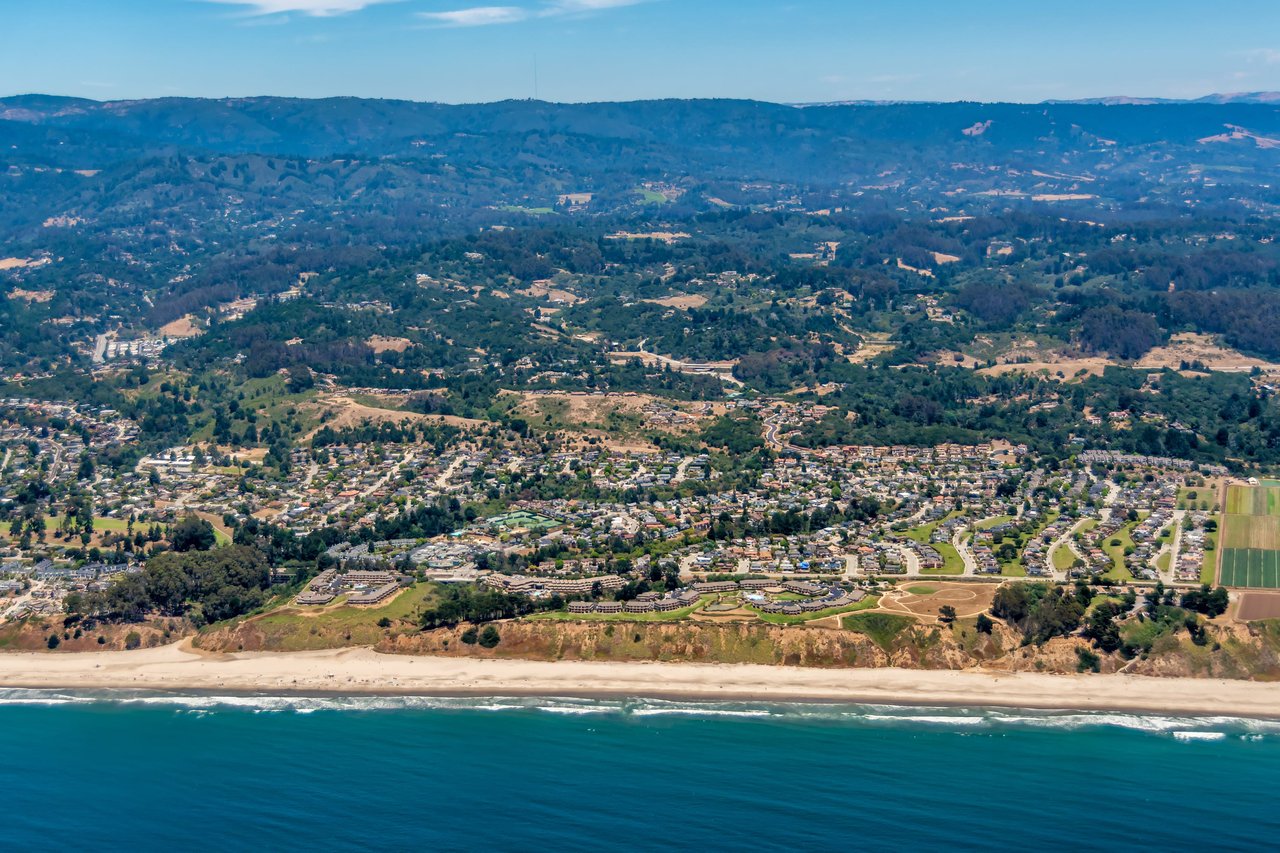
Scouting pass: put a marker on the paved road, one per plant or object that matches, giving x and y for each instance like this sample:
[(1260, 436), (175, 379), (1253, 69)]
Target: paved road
[(960, 541), (1066, 540)]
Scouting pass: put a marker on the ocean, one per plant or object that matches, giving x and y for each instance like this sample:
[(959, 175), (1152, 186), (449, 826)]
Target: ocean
[(119, 770)]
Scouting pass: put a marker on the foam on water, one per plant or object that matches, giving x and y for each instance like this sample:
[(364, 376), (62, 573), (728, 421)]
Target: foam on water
[(1183, 728)]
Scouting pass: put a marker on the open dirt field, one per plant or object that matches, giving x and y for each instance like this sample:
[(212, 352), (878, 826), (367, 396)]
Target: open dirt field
[(548, 290), (180, 328), (1063, 197), (348, 412), (872, 345), (1070, 368), (969, 599), (380, 343), (680, 301), (664, 236), (14, 263), (32, 295), (1258, 605), (594, 410), (1190, 347)]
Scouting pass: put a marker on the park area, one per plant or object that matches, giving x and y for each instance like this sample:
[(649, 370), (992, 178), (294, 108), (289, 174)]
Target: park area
[(1251, 538)]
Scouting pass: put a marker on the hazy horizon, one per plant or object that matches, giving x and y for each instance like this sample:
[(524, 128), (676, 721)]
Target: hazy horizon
[(575, 51)]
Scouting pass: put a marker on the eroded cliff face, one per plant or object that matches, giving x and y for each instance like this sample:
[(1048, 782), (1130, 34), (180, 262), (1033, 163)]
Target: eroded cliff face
[(924, 647), (1233, 651)]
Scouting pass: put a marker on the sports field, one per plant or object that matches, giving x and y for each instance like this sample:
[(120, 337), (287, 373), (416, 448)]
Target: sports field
[(1251, 537)]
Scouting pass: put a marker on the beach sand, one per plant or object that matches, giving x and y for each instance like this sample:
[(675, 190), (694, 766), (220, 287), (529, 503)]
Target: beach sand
[(364, 671)]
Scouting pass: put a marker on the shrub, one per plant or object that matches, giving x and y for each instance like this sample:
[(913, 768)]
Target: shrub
[(132, 640), (471, 635), (489, 637)]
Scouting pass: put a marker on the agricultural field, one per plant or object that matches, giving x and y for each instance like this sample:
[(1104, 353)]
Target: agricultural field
[(1250, 541)]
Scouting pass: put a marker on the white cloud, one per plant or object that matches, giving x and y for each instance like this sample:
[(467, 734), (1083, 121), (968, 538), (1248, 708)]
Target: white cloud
[(1266, 56), (481, 16), (478, 16), (317, 8)]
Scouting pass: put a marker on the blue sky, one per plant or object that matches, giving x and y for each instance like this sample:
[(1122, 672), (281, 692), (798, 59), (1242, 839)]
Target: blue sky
[(485, 50)]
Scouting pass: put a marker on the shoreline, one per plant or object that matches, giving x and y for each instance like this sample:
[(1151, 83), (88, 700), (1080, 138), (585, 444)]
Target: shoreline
[(364, 672)]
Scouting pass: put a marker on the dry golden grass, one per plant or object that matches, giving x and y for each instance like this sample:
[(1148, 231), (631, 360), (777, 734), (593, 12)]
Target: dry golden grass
[(32, 295), (380, 343), (183, 327), (680, 301)]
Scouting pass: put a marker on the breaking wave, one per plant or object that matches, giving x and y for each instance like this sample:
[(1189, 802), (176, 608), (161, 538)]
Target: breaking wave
[(1185, 728)]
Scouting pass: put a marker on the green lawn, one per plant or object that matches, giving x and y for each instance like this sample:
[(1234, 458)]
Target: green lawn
[(651, 197), (1063, 558), (922, 589), (922, 533), (1209, 568), (1118, 570), (952, 562)]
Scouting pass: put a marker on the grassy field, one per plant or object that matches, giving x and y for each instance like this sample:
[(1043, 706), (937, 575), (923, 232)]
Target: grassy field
[(290, 628), (882, 628), (1116, 552), (922, 533), (1063, 558), (651, 197), (952, 562), (531, 211), (922, 589), (1209, 568)]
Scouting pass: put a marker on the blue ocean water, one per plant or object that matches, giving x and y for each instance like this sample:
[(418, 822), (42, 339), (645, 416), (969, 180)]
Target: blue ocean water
[(146, 771)]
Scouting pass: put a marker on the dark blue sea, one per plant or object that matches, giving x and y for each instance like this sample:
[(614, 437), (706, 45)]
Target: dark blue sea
[(147, 771)]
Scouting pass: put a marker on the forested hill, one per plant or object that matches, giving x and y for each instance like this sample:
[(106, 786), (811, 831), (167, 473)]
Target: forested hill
[(699, 138)]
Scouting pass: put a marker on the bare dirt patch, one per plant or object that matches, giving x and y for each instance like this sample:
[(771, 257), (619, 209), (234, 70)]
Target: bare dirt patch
[(346, 412), (31, 295), (381, 343), (680, 301), (664, 236), (14, 263), (183, 327), (598, 414), (547, 289), (1070, 368), (1258, 605), (1188, 347), (1063, 197), (968, 599)]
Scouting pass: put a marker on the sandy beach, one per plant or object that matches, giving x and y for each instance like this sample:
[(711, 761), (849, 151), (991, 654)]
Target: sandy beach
[(363, 671)]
